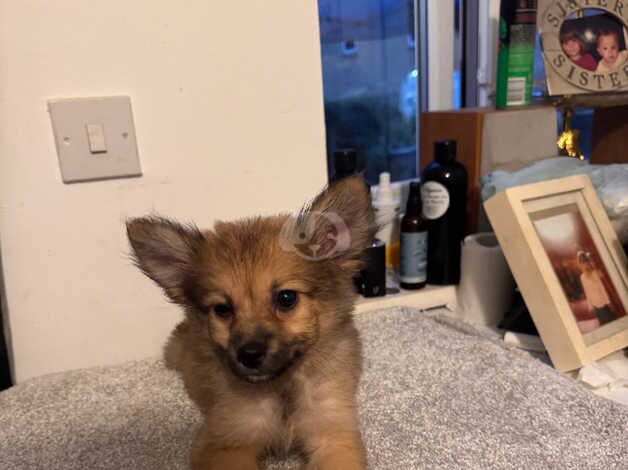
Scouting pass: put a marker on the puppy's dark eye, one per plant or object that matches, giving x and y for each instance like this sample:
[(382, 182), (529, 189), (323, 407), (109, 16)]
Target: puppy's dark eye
[(286, 299), (223, 310)]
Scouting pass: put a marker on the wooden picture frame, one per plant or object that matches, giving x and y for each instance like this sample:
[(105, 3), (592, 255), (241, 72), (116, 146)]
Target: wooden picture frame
[(569, 265), (562, 24)]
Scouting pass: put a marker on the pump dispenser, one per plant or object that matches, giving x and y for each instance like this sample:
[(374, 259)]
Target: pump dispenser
[(384, 191), (386, 208)]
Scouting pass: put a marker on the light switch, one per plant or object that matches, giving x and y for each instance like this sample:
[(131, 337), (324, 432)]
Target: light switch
[(95, 138)]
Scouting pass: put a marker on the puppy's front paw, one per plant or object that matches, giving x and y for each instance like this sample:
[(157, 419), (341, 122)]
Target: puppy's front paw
[(340, 454), (341, 459), (223, 459)]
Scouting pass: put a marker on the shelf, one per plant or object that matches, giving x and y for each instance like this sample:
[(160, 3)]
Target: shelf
[(422, 299), (586, 100)]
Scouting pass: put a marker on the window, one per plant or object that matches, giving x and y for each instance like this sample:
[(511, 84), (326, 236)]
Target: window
[(382, 61), (368, 50)]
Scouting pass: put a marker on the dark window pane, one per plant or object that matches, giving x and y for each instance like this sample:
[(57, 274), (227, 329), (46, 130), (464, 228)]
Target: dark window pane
[(370, 83)]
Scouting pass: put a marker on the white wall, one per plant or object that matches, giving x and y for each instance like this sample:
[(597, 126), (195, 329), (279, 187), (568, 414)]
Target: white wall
[(227, 100)]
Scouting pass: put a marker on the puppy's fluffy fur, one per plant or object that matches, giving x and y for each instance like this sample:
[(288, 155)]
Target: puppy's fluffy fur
[(268, 349)]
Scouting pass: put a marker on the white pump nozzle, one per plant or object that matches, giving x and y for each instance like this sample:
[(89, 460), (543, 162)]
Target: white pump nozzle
[(384, 190)]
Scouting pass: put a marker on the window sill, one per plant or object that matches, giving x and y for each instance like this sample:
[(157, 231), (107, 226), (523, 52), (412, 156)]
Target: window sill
[(422, 299)]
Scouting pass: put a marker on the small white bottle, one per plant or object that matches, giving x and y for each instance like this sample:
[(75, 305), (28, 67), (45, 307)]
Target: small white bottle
[(386, 208)]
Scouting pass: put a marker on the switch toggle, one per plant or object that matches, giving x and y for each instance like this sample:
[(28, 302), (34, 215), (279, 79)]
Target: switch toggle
[(96, 138)]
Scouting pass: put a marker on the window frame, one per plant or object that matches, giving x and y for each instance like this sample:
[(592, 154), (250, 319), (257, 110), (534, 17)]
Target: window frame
[(438, 35)]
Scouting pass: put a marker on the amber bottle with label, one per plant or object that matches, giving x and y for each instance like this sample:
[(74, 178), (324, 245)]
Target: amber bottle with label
[(413, 243), (444, 196)]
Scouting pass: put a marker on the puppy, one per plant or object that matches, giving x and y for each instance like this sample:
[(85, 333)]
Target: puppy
[(268, 349)]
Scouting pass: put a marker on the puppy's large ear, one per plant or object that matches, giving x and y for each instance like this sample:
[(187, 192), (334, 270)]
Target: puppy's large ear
[(342, 222), (164, 250)]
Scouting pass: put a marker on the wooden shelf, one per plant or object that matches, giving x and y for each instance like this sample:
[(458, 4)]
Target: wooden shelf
[(586, 100)]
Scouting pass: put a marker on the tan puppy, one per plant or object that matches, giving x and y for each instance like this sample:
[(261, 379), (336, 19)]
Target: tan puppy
[(268, 349)]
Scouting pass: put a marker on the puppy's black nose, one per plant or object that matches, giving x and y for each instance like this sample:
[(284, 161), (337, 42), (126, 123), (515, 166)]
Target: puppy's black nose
[(252, 354)]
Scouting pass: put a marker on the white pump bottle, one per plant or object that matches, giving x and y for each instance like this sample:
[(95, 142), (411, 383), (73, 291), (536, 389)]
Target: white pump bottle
[(386, 208)]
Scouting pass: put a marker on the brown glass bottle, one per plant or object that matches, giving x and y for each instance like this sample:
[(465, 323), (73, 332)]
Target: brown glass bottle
[(413, 243)]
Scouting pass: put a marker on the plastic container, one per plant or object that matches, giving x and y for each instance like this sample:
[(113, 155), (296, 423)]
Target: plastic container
[(372, 279)]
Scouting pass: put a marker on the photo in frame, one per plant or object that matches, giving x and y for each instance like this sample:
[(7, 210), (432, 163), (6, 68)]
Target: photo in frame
[(584, 45), (569, 265)]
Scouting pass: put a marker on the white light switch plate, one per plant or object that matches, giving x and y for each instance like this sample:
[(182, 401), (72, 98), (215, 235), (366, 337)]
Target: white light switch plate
[(95, 138)]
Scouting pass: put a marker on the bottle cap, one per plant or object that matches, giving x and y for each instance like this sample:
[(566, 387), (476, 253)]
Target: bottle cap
[(445, 151), (345, 161)]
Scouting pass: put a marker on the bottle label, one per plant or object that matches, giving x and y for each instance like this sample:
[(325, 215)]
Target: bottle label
[(413, 257), (435, 198)]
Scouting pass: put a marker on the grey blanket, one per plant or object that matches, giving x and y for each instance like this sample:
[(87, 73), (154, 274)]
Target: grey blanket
[(435, 393)]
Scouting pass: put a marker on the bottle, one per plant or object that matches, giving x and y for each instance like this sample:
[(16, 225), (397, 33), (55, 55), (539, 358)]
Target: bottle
[(372, 278), (413, 243), (515, 57), (444, 196), (386, 208), (345, 164)]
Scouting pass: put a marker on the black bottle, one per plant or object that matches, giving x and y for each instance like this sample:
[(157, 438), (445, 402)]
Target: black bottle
[(444, 196), (345, 164), (413, 243), (372, 279)]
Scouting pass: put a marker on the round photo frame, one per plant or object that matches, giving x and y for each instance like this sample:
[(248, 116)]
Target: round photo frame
[(550, 23)]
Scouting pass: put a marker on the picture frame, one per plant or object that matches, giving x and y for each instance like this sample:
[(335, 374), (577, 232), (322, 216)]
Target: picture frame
[(584, 45), (568, 264)]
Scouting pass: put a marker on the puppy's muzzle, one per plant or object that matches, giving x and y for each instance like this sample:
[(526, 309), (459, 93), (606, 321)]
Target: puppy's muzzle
[(251, 355), (254, 360)]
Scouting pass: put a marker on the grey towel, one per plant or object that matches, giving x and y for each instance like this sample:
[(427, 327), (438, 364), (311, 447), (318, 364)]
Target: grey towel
[(435, 393)]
